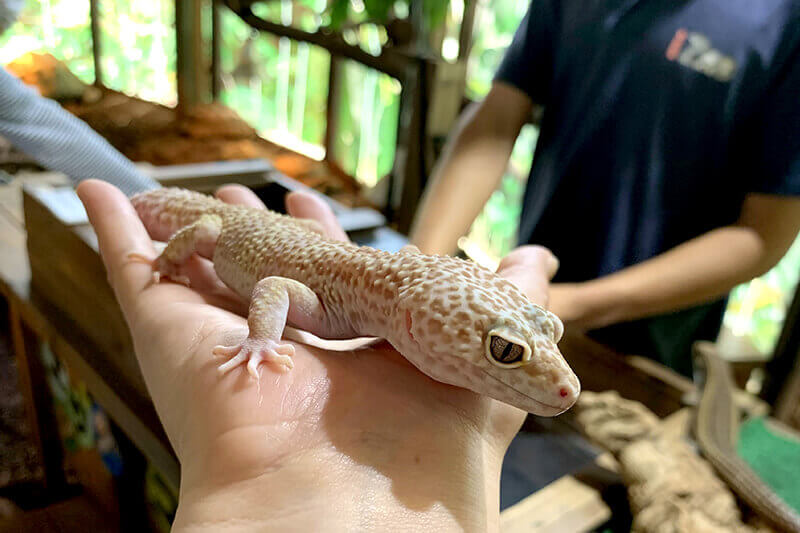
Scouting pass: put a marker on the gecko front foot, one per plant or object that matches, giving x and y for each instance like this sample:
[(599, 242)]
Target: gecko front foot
[(162, 269), (253, 351)]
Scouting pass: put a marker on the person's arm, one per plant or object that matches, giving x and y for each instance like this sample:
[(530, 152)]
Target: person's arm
[(61, 142), (470, 169), (697, 271)]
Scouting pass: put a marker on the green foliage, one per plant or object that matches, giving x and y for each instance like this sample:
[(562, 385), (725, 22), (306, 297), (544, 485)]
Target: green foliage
[(756, 310), (368, 114), (58, 27), (138, 48), (434, 13), (498, 20), (280, 87), (338, 12)]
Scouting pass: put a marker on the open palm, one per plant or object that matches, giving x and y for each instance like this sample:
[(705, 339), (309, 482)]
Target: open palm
[(367, 409)]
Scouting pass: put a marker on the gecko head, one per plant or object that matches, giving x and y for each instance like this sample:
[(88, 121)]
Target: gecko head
[(520, 354), (485, 335)]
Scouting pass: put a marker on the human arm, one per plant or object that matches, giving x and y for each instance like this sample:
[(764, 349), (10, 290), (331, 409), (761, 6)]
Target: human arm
[(345, 441), (471, 166), (700, 270), (61, 142)]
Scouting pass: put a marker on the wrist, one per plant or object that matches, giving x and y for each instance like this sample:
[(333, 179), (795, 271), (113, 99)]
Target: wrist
[(598, 303), (329, 490)]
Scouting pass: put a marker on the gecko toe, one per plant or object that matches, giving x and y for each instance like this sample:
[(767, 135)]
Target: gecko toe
[(252, 364), (227, 351), (285, 350), (232, 363)]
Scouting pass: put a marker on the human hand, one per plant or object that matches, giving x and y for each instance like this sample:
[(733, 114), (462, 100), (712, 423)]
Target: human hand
[(530, 268), (346, 440)]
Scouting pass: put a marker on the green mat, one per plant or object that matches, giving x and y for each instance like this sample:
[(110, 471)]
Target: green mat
[(773, 455)]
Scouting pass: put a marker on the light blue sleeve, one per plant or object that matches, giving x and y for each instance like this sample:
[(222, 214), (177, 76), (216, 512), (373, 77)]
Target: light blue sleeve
[(58, 141)]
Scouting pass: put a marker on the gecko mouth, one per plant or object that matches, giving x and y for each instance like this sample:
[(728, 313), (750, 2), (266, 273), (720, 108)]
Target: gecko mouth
[(557, 409)]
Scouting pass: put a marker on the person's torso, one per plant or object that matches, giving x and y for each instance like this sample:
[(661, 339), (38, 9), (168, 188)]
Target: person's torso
[(643, 141)]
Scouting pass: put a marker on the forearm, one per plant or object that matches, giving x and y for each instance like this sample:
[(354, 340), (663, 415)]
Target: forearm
[(58, 141), (328, 490), (470, 169), (700, 270)]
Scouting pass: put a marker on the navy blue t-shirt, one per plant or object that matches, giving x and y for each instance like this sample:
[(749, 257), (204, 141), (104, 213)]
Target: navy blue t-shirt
[(659, 118)]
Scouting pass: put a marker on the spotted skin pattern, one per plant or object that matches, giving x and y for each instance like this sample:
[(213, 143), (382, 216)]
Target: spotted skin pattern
[(437, 311)]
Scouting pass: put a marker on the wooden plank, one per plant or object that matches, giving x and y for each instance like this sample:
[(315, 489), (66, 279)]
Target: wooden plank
[(564, 505), (390, 61), (69, 279)]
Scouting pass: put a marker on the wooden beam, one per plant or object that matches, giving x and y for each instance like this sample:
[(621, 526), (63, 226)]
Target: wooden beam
[(390, 61)]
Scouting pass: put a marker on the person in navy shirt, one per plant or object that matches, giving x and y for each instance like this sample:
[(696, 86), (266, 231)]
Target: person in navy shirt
[(667, 169)]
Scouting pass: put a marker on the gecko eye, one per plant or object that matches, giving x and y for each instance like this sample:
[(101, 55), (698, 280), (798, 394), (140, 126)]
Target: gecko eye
[(504, 352)]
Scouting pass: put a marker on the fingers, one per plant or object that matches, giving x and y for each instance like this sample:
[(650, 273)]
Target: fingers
[(240, 195), (532, 256), (530, 268), (306, 205), (120, 233), (299, 204)]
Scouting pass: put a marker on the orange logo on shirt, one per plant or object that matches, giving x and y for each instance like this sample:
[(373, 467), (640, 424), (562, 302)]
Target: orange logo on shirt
[(694, 50)]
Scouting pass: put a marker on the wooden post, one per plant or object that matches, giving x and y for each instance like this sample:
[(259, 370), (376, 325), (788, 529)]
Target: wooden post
[(410, 165), (782, 387), (332, 110), (193, 83), (94, 17), (38, 401), (216, 43)]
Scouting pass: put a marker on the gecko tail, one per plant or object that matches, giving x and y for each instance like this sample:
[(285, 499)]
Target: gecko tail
[(164, 211), (334, 345)]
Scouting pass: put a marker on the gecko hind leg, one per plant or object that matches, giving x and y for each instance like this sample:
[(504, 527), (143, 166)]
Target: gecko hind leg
[(275, 301), (200, 236)]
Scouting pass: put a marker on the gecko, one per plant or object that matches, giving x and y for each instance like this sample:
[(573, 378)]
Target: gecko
[(457, 322)]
